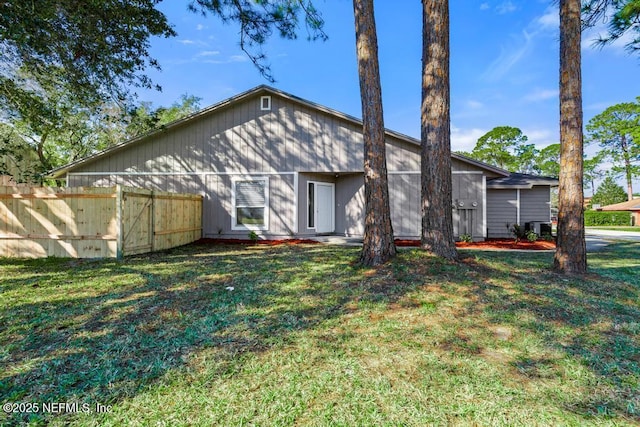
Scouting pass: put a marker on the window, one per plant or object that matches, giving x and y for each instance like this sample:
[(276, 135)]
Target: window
[(265, 103), (311, 216), (251, 204)]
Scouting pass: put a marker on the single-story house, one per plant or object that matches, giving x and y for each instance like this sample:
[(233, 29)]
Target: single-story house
[(281, 166), (632, 206)]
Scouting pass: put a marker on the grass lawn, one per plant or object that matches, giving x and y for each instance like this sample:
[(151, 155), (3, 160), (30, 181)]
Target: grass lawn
[(615, 227), (299, 335)]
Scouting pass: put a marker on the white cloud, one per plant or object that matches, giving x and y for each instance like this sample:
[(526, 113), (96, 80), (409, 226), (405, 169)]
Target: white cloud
[(520, 45), (229, 60), (209, 53), (186, 41), (541, 95), (465, 139), (540, 137), (474, 105), (550, 19), (505, 7), (508, 58), (200, 27), (484, 6)]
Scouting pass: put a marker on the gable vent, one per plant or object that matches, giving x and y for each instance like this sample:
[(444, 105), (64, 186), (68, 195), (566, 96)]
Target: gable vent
[(265, 103)]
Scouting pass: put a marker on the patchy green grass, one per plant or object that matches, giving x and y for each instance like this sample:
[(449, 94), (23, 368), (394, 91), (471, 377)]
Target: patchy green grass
[(300, 335), (616, 228)]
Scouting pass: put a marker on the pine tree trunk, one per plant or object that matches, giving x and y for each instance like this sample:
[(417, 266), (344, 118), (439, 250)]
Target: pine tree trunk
[(436, 186), (378, 246), (571, 254), (627, 168)]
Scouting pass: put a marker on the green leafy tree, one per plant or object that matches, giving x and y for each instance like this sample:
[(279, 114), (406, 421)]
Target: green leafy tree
[(506, 148), (144, 118), (617, 131), (548, 160), (571, 251), (90, 50), (435, 177), (592, 170), (17, 159), (622, 16), (609, 193)]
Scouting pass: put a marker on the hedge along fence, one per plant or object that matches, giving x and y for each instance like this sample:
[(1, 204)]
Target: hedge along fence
[(92, 222), (592, 218)]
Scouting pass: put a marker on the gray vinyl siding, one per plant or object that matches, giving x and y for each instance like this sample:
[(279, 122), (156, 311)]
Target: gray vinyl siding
[(501, 210), (404, 200), (535, 205), (296, 141), (350, 205), (242, 138), (303, 199)]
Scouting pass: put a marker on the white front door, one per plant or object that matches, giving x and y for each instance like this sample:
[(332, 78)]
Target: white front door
[(324, 208)]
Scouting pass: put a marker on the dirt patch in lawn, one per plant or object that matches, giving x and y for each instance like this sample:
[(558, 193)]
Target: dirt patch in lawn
[(539, 245)]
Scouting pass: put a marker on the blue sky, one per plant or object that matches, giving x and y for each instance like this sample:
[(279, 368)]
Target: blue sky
[(504, 66)]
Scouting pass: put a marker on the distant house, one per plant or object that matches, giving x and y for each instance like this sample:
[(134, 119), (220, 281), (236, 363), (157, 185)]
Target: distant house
[(632, 206), (271, 162)]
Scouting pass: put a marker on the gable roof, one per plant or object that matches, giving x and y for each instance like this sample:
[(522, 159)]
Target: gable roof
[(262, 89), (521, 180), (630, 205)]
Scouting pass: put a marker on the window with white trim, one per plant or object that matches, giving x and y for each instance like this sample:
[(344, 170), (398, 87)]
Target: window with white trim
[(265, 103), (250, 204)]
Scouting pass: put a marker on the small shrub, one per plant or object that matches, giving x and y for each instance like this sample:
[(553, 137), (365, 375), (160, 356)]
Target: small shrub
[(547, 237), (466, 238), (517, 231), (253, 236), (532, 236)]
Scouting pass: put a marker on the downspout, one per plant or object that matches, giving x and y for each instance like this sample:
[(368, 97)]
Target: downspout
[(518, 206)]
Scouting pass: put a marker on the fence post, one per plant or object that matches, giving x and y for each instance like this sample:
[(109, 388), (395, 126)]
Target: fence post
[(119, 219)]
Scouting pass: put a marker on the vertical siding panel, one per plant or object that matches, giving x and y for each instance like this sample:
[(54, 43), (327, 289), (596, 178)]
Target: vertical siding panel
[(501, 209)]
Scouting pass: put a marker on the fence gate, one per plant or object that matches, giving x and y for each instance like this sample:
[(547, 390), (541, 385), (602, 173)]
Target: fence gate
[(137, 222)]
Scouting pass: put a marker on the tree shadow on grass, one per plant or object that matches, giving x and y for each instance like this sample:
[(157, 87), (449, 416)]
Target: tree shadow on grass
[(100, 332), (594, 320)]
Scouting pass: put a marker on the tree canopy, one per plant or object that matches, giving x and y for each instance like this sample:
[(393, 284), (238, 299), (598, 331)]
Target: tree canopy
[(617, 132), (609, 193), (548, 160), (89, 50), (506, 148)]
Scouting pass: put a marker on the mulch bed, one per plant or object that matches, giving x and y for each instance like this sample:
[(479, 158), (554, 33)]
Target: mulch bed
[(538, 245)]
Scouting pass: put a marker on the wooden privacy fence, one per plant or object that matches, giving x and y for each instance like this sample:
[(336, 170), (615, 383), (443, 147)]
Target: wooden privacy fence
[(93, 222)]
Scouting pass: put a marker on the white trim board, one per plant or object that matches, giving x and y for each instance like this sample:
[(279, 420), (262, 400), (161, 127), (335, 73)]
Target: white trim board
[(418, 172)]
